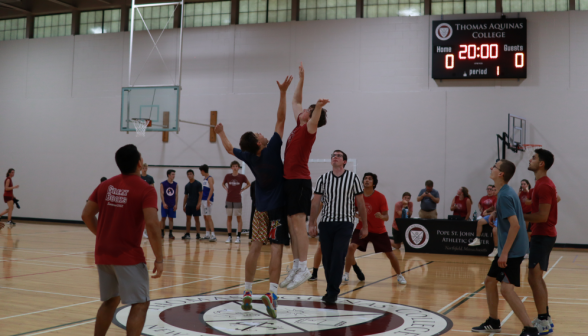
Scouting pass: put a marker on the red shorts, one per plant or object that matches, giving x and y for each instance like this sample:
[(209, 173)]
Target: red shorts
[(8, 199), (381, 241)]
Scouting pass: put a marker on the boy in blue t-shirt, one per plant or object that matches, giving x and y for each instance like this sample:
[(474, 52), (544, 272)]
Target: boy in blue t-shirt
[(169, 202), (512, 247)]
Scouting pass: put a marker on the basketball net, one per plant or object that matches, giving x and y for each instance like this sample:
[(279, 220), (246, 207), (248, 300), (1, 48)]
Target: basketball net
[(530, 150), (140, 126)]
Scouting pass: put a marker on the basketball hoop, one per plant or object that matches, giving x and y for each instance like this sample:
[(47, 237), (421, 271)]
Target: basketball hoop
[(141, 126), (529, 149)]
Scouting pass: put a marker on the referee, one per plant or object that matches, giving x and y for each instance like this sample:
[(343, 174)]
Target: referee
[(341, 190)]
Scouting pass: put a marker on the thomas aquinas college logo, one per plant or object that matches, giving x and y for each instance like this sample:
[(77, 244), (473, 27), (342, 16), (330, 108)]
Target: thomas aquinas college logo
[(444, 31), (297, 316)]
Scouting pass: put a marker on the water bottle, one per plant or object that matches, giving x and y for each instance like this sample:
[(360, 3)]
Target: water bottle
[(405, 213), (475, 216)]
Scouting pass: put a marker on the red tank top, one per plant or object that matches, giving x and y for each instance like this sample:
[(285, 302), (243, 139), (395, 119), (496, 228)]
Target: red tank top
[(461, 207), (8, 193), (297, 153)]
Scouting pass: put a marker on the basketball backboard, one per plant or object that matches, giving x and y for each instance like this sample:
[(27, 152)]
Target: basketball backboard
[(160, 104), (517, 131)]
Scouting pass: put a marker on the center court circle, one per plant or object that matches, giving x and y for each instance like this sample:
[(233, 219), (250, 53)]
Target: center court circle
[(297, 315)]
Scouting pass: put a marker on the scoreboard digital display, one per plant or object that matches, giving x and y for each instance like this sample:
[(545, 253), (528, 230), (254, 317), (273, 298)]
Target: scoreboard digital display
[(479, 49)]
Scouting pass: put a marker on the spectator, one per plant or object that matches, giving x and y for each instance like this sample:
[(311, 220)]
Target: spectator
[(429, 198), (399, 208), (462, 203), (487, 203)]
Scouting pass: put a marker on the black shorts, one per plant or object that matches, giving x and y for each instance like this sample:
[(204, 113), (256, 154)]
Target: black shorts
[(381, 241), (278, 227), (511, 274), (298, 196), (396, 236), (530, 225), (539, 250), (191, 211)]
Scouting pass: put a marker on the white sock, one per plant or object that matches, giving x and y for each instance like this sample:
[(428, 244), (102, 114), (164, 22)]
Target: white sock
[(212, 234), (274, 288), (249, 286), (296, 264), (302, 265), (345, 273), (207, 234)]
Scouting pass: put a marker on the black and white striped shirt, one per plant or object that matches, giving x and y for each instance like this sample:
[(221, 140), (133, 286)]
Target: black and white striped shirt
[(338, 196)]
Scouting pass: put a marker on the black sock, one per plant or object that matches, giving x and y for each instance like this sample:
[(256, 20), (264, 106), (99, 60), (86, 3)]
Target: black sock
[(170, 231), (238, 234), (229, 234), (162, 231), (548, 311), (543, 317)]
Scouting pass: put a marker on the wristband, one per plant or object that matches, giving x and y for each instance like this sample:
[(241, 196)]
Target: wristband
[(159, 262)]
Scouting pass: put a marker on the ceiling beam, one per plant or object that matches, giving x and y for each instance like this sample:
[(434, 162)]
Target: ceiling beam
[(62, 3), (106, 2), (15, 8)]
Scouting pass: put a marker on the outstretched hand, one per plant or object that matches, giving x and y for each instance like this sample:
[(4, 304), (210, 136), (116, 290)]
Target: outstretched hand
[(322, 102), (284, 86), (301, 71), (218, 129)]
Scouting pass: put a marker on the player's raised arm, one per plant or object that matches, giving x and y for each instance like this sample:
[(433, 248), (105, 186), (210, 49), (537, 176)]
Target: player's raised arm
[(297, 100), (316, 115), (220, 130), (282, 107)]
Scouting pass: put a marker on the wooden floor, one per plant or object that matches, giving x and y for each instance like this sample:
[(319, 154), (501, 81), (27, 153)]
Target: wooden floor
[(49, 283)]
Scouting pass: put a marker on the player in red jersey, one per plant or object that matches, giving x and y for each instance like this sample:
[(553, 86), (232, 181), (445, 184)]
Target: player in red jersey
[(126, 205)]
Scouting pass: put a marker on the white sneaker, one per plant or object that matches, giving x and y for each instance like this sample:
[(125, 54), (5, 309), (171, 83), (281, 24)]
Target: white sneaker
[(494, 253), (238, 240), (228, 240), (475, 242), (289, 278), (550, 322), (212, 239), (301, 277), (145, 234), (527, 256), (543, 326), (205, 238), (345, 277), (401, 279)]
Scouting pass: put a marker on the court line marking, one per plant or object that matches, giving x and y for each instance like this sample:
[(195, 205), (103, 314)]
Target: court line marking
[(46, 310), (65, 270), (71, 324), (508, 316), (35, 291), (187, 283), (552, 267), (452, 302), (466, 331), (464, 300)]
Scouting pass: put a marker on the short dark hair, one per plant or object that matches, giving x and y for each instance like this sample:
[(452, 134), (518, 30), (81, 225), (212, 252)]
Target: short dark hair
[(127, 158), (406, 194), (429, 183), (491, 185), (374, 177), (344, 155), (508, 168), (528, 183), (169, 171), (190, 171), (103, 179), (9, 171), (545, 156), (248, 143), (235, 163), (204, 168), (323, 119)]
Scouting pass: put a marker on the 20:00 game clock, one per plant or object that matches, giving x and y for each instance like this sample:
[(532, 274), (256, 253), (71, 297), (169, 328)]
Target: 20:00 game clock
[(479, 49)]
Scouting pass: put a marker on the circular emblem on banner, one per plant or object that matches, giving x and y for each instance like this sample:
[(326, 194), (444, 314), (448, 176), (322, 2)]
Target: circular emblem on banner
[(444, 31), (297, 316), (416, 236)]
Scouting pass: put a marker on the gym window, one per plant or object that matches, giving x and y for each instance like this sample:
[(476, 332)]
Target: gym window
[(13, 29), (52, 25), (515, 6), (206, 14), (581, 4), (327, 9), (386, 8), (100, 22), (156, 17), (264, 11)]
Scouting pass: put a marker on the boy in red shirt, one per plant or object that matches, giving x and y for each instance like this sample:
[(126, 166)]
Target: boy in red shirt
[(298, 186), (377, 213), (543, 234), (398, 208), (487, 204), (233, 184), (126, 205)]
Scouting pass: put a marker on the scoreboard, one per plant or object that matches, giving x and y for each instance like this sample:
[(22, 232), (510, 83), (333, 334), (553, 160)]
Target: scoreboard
[(479, 49)]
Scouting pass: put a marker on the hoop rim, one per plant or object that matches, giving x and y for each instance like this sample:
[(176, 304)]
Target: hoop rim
[(141, 119), (525, 147)]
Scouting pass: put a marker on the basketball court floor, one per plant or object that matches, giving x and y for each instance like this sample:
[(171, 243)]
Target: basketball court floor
[(49, 286)]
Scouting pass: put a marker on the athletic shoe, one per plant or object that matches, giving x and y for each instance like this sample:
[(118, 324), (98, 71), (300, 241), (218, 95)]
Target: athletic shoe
[(543, 326), (271, 304), (198, 236), (16, 203), (529, 331), (301, 276), (228, 240), (205, 238), (314, 275), (238, 240), (186, 236), (247, 300), (329, 300), (162, 234), (401, 279), (527, 256), (475, 242), (491, 325), (550, 322), (289, 277), (212, 239), (10, 224), (145, 234), (171, 236), (494, 253), (345, 277), (358, 272)]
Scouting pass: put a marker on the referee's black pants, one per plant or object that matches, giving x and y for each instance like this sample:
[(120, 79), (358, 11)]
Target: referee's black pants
[(334, 238)]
